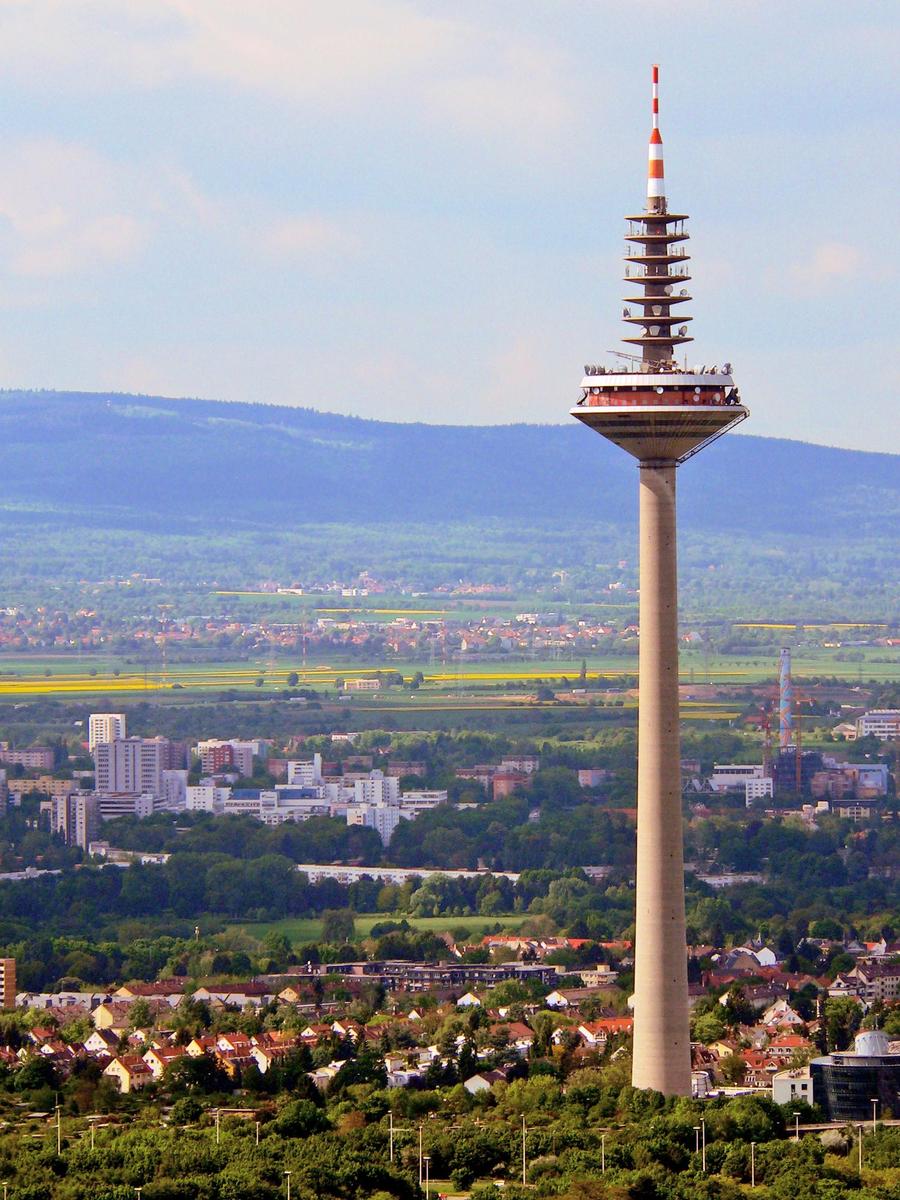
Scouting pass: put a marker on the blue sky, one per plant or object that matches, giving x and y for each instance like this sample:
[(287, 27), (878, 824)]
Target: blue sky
[(413, 211)]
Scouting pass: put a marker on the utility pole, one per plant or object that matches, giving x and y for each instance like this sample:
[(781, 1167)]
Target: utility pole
[(859, 1146), (420, 1154), (58, 1129), (390, 1137)]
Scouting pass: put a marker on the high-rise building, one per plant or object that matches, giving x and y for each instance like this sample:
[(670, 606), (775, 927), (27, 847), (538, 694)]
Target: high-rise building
[(661, 411), (8, 982), (216, 756), (130, 765), (105, 727), (76, 817)]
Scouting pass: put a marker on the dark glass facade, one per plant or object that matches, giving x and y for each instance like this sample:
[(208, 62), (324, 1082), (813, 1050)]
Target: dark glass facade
[(844, 1085)]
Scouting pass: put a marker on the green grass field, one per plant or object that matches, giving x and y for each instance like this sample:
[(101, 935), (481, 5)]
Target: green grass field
[(309, 929)]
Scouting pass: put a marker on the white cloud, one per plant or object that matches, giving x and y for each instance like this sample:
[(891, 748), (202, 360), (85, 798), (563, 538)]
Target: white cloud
[(311, 237), (828, 262), (482, 77), (64, 208)]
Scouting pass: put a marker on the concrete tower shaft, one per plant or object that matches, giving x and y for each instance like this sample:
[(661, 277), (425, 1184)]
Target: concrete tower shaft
[(661, 413)]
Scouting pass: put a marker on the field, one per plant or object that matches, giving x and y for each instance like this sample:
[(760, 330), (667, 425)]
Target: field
[(309, 929), (81, 676)]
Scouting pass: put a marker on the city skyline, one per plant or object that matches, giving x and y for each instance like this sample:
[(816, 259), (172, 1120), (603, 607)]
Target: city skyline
[(322, 209)]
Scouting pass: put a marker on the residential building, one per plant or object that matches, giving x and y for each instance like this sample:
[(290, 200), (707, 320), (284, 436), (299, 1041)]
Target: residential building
[(883, 723), (216, 755), (8, 983), (205, 798), (383, 818), (131, 764), (35, 758), (105, 727), (173, 789), (378, 788), (305, 773), (790, 1086), (75, 816)]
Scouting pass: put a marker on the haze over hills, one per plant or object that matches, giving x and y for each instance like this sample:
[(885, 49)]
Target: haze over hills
[(98, 485), (147, 460)]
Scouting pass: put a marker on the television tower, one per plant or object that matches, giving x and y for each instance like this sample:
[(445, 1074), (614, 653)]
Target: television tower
[(662, 413)]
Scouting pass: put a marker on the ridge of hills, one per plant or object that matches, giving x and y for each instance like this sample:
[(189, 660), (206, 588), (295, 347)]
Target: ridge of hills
[(207, 494), (152, 462)]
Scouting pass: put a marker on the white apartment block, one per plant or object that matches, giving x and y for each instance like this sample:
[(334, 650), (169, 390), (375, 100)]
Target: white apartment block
[(173, 789), (377, 789), (883, 723), (132, 765), (757, 789), (316, 872), (734, 776), (383, 818), (105, 727), (422, 801), (205, 798), (125, 804), (305, 773), (76, 817)]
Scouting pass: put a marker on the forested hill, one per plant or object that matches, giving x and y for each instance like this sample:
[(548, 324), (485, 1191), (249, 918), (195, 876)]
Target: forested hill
[(146, 462)]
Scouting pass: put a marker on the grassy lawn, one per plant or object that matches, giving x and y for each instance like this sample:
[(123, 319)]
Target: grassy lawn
[(309, 929)]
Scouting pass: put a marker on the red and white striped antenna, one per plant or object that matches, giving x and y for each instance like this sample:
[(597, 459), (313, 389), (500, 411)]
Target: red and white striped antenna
[(656, 180)]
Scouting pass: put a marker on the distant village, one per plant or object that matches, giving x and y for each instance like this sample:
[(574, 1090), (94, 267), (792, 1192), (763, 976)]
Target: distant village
[(766, 1033)]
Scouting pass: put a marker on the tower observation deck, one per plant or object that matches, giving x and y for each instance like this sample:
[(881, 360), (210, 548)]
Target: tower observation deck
[(662, 412)]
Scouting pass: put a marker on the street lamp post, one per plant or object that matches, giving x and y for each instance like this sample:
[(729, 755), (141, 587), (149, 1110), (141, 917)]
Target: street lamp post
[(523, 1150), (602, 1153), (696, 1139), (796, 1116), (287, 1176), (427, 1162), (58, 1129), (420, 1154), (257, 1133), (703, 1141), (859, 1146), (753, 1164), (874, 1114), (390, 1137), (217, 1127)]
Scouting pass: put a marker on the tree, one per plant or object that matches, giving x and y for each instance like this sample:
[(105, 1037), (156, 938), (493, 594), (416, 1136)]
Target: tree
[(300, 1118), (842, 1019), (338, 925), (293, 679)]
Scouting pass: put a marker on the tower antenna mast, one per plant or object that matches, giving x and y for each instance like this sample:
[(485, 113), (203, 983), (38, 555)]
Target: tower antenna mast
[(661, 414)]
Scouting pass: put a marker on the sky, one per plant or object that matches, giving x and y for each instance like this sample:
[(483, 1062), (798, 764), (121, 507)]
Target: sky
[(413, 211)]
